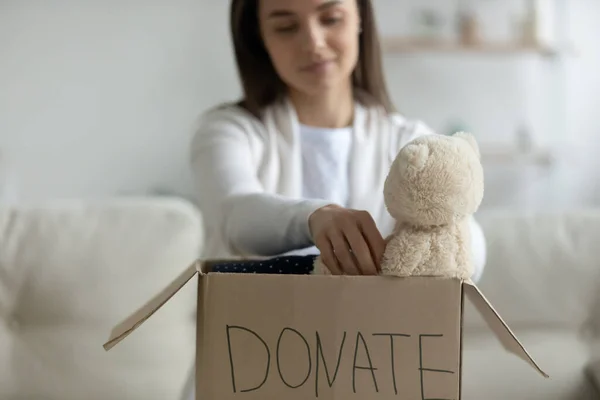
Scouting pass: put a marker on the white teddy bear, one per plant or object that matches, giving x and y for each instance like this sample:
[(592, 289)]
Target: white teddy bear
[(433, 187)]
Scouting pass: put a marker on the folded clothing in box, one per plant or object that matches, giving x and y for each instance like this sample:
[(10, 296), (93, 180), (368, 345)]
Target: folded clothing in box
[(287, 265)]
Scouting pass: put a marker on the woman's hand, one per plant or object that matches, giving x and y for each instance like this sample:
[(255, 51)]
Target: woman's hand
[(349, 241)]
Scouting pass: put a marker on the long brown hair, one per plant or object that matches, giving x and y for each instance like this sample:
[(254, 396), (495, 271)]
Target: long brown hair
[(263, 86)]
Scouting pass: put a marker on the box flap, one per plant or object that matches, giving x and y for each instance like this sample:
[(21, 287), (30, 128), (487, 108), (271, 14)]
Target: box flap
[(498, 326), (131, 323)]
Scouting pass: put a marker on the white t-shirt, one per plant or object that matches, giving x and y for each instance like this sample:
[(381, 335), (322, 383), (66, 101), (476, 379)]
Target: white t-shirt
[(325, 159), (325, 167)]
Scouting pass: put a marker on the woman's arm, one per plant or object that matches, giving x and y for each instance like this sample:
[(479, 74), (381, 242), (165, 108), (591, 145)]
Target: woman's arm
[(231, 196), (478, 249)]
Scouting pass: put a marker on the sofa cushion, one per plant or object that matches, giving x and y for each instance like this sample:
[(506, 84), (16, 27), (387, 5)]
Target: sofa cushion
[(491, 373), (70, 271), (542, 268)]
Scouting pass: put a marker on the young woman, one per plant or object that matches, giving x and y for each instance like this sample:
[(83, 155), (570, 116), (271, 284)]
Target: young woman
[(297, 167)]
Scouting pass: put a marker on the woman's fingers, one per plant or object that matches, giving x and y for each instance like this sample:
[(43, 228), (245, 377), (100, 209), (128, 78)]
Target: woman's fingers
[(341, 251), (348, 240), (375, 240), (360, 248), (328, 257)]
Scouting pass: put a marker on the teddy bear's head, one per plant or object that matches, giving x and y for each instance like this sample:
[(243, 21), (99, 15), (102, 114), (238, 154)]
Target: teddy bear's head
[(435, 180)]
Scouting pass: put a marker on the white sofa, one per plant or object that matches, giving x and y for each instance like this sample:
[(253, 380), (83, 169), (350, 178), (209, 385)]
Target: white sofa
[(70, 270), (543, 278)]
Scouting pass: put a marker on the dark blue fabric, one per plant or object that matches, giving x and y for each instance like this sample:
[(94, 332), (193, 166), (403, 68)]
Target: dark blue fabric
[(290, 265)]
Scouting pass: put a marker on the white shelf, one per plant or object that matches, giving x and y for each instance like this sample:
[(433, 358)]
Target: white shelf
[(399, 45)]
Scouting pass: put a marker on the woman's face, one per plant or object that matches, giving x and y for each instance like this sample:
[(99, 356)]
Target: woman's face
[(313, 44)]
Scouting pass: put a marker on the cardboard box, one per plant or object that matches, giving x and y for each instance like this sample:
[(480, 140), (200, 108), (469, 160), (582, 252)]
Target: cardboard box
[(330, 337)]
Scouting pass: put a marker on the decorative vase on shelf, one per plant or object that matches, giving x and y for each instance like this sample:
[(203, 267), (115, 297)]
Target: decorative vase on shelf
[(429, 25), (468, 29), (529, 27)]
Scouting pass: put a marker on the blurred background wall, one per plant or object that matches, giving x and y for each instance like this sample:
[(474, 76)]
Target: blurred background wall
[(98, 98)]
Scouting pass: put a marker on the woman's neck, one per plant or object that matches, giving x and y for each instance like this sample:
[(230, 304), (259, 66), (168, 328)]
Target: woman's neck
[(332, 109)]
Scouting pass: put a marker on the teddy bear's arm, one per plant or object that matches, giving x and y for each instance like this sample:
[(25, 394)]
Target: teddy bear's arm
[(406, 253)]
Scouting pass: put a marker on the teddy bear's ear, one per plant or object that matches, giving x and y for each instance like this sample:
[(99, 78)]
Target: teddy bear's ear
[(470, 139), (417, 155)]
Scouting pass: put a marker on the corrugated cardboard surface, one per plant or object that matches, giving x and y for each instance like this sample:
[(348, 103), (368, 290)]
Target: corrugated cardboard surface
[(301, 337)]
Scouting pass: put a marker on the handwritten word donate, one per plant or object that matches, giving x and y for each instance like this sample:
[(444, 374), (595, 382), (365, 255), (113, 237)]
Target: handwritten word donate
[(313, 365)]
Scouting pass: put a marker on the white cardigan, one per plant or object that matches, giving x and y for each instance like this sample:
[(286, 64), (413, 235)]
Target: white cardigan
[(249, 177)]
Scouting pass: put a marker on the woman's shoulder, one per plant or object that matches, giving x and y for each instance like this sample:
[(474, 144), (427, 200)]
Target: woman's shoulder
[(226, 115), (401, 128), (226, 124), (411, 128)]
